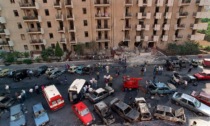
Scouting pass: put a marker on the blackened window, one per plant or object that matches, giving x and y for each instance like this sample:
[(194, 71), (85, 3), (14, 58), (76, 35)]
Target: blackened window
[(86, 34), (19, 25), (51, 35), (84, 10), (16, 13), (49, 24), (47, 12), (85, 22), (44, 1)]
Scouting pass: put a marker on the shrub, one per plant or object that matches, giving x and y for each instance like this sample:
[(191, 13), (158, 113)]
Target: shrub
[(38, 60), (27, 61), (26, 54), (207, 48)]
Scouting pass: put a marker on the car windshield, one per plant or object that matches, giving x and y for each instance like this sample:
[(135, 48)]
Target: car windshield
[(95, 94), (16, 116), (37, 114), (197, 103), (127, 110), (178, 95), (84, 112), (6, 99)]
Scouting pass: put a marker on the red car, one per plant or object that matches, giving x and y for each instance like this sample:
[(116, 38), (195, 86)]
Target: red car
[(202, 96), (202, 76), (82, 111), (130, 82)]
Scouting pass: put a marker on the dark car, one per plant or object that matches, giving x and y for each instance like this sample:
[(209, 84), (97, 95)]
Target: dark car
[(87, 69), (41, 70), (20, 74), (6, 101), (195, 63), (178, 79)]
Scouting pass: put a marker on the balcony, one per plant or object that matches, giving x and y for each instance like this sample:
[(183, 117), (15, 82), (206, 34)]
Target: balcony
[(100, 28), (201, 14), (139, 38), (57, 5), (196, 37), (24, 5), (177, 38), (70, 17), (102, 39), (164, 38), (157, 27), (63, 40), (179, 27), (155, 38), (38, 42), (170, 3), (158, 15), (68, 4), (32, 19), (203, 2), (147, 3), (168, 15), (184, 2), (166, 27), (35, 31), (101, 3), (72, 29), (159, 3), (182, 15), (102, 16), (61, 29), (4, 43), (73, 41), (199, 26), (127, 15), (2, 20), (128, 2), (143, 15), (59, 17), (127, 27), (4, 31)]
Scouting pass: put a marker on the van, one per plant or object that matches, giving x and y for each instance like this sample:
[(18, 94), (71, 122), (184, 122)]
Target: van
[(206, 62), (53, 97)]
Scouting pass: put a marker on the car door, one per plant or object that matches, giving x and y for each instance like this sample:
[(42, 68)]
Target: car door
[(191, 106), (183, 102), (169, 116), (160, 90)]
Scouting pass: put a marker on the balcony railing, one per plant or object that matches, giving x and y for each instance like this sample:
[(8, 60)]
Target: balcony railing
[(182, 14), (61, 29), (102, 39), (106, 27), (70, 17), (101, 15), (63, 40), (72, 29), (181, 26), (144, 3), (35, 31), (32, 18), (102, 3), (179, 37), (128, 15), (57, 5), (184, 2), (59, 17), (128, 2), (68, 3), (36, 42), (4, 31)]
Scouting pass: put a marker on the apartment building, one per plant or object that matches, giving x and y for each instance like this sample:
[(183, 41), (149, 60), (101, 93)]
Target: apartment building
[(33, 25)]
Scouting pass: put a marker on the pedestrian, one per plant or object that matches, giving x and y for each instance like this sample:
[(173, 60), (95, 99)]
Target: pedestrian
[(23, 94), (30, 73), (107, 69), (190, 69), (91, 82), (185, 84), (110, 81), (194, 123), (142, 71), (85, 89), (19, 98), (7, 88), (30, 91), (36, 88), (97, 75), (154, 78), (145, 69), (94, 83), (125, 60), (65, 78), (125, 68), (119, 60)]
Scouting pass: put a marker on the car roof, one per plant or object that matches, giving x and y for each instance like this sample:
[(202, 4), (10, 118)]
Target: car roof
[(140, 99), (101, 105), (77, 85), (121, 105), (187, 97), (160, 84), (38, 107), (204, 94), (15, 109), (164, 108), (99, 90), (80, 106), (5, 70)]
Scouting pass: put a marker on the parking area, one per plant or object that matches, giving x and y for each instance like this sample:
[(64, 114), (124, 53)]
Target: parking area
[(65, 116)]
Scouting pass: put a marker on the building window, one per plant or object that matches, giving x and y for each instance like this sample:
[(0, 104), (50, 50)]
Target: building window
[(83, 0), (46, 12), (44, 1), (32, 25), (19, 25), (49, 24), (53, 46), (85, 22), (51, 35), (26, 47), (86, 34), (84, 10), (22, 36), (16, 13), (12, 1), (37, 47)]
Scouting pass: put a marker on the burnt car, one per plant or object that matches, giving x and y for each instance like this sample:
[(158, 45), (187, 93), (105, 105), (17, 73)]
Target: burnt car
[(20, 74), (6, 101), (179, 79), (195, 63), (104, 113), (124, 110), (41, 70), (87, 69), (143, 108), (168, 113), (99, 94)]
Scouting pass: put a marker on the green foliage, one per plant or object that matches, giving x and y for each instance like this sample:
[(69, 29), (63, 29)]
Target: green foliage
[(58, 50), (17, 54), (46, 53), (207, 48), (3, 55), (26, 54), (10, 58), (79, 48), (188, 48), (205, 20), (38, 59), (207, 32), (27, 61)]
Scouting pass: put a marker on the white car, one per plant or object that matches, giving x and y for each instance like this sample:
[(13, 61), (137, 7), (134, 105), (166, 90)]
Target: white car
[(55, 73), (50, 69), (72, 69)]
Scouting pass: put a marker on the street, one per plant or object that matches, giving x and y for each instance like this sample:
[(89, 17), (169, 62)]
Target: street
[(65, 116)]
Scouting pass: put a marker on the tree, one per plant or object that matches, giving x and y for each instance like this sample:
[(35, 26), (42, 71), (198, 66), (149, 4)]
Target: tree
[(79, 48), (46, 53), (58, 50)]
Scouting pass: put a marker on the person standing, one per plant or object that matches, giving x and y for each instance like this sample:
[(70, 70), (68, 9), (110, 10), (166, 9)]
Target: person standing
[(95, 85), (97, 75), (190, 69), (7, 88), (142, 71), (65, 78), (110, 81), (36, 88), (23, 94), (145, 69), (107, 69)]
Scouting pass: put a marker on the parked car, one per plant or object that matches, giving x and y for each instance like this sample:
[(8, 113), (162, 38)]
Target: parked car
[(191, 103), (41, 117), (17, 116), (206, 62), (202, 76), (104, 113), (41, 70), (6, 101), (143, 108), (83, 113), (124, 110), (55, 73), (179, 79), (11, 73), (20, 74), (202, 97), (4, 72), (161, 88), (72, 69), (87, 69), (195, 63), (99, 94), (50, 69), (79, 69), (168, 113)]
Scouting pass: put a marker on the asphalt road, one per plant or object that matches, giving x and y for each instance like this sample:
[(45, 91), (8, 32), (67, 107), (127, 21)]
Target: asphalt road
[(65, 116)]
